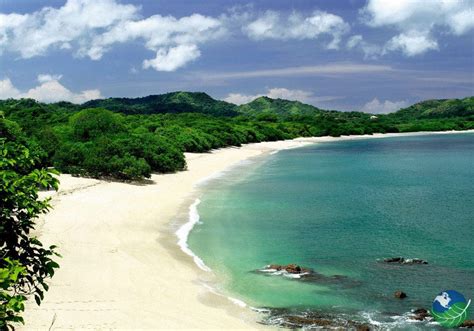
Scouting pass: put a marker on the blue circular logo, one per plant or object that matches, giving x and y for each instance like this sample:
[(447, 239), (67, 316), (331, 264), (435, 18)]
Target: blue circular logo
[(450, 308)]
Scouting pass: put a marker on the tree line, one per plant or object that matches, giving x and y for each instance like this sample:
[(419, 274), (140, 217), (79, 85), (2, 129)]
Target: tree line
[(100, 143)]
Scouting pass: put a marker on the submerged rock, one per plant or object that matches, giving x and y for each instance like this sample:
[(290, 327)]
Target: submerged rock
[(420, 314), (467, 324), (290, 271), (302, 274), (402, 260), (400, 295), (290, 268), (309, 320), (301, 321)]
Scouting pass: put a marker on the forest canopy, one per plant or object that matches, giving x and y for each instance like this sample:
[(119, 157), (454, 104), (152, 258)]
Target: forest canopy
[(129, 139)]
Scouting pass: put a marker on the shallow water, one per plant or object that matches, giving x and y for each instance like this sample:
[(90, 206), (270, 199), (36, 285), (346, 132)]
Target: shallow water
[(338, 208)]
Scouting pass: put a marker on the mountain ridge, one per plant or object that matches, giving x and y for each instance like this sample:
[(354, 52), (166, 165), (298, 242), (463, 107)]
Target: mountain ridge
[(201, 102), (172, 102)]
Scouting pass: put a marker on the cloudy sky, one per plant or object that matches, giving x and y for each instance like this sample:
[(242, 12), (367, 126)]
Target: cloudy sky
[(370, 55)]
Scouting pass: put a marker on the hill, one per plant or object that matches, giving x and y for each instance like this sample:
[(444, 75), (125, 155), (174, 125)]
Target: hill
[(131, 138), (432, 109), (174, 102), (277, 106), (198, 102)]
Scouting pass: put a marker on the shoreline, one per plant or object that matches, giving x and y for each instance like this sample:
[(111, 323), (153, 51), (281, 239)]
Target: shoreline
[(122, 266)]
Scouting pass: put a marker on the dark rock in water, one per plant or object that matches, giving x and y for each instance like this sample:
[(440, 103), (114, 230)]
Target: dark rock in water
[(415, 261), (313, 320), (467, 324), (290, 268), (417, 318), (402, 260), (339, 277), (400, 295), (306, 321), (420, 314), (302, 274), (394, 260), (294, 269)]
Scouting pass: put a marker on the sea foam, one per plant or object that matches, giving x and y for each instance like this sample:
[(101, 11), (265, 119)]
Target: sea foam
[(282, 272), (183, 234)]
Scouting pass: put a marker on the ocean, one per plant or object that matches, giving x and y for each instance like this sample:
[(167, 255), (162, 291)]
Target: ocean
[(340, 208)]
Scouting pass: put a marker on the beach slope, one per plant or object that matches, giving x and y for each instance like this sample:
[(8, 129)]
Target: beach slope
[(121, 266)]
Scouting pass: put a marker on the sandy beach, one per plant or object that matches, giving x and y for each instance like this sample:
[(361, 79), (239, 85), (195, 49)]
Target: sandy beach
[(122, 267)]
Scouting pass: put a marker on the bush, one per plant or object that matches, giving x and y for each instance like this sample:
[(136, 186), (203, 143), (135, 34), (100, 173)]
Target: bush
[(94, 122), (25, 264), (159, 153)]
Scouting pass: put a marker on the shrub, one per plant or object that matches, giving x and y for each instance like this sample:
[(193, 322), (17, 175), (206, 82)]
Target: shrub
[(94, 122), (25, 264)]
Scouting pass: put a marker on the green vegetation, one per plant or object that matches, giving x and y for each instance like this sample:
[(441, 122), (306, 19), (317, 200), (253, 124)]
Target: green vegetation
[(130, 139), (175, 102), (25, 264), (266, 105)]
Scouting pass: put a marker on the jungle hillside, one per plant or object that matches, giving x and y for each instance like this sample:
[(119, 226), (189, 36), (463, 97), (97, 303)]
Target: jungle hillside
[(131, 138)]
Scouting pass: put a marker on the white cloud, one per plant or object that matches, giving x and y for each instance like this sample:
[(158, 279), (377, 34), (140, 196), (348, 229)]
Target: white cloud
[(284, 93), (330, 69), (417, 22), (273, 25), (167, 36), (354, 41), (411, 43), (279, 93), (7, 90), (48, 90), (90, 28), (240, 99), (377, 107), (371, 51), (43, 78), (173, 58), (75, 22)]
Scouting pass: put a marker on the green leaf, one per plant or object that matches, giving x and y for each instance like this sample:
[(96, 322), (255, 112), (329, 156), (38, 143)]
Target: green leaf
[(454, 316), (38, 300)]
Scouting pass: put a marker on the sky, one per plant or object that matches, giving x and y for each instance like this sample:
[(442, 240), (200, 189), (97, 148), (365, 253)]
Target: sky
[(364, 55)]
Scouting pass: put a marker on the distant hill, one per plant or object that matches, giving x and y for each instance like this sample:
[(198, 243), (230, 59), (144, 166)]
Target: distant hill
[(91, 140), (277, 106), (432, 109), (174, 102), (199, 102)]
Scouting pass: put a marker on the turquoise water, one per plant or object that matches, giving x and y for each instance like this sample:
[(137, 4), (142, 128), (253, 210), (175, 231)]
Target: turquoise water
[(338, 208)]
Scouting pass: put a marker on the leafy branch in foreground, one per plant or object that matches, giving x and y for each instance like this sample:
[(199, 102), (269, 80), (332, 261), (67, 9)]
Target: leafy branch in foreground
[(25, 264), (11, 304)]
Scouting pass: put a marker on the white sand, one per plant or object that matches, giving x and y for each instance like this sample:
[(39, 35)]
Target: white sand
[(121, 265)]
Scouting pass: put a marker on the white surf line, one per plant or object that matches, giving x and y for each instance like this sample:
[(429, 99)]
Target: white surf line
[(183, 234)]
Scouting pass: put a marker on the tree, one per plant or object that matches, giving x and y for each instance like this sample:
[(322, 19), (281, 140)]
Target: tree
[(91, 123), (25, 264)]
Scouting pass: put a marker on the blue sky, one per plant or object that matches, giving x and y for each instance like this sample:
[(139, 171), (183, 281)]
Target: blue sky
[(373, 55)]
